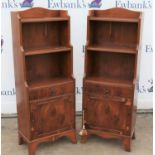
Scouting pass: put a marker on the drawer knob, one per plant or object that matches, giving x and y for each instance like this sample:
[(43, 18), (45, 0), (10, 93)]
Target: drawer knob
[(127, 128), (53, 93), (106, 92), (128, 102)]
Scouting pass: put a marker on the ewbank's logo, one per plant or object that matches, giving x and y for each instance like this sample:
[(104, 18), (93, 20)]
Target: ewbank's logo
[(2, 43), (16, 3), (76, 4), (95, 4), (150, 89), (146, 88), (27, 3), (142, 4)]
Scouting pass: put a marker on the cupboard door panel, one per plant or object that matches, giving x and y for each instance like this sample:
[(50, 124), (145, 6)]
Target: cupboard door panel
[(52, 115), (109, 114)]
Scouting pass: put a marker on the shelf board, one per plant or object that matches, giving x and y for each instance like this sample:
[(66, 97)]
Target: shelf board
[(116, 49), (52, 19), (48, 82), (45, 50), (110, 19), (110, 81)]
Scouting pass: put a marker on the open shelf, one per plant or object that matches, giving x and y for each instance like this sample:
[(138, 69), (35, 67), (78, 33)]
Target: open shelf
[(112, 19), (46, 50), (48, 82), (45, 34), (52, 19), (113, 34), (110, 47), (113, 66), (43, 69)]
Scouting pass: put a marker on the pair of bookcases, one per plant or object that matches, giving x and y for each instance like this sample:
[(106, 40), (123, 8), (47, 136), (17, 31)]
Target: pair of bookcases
[(45, 85)]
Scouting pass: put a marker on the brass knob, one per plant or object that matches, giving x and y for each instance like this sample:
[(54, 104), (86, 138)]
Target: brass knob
[(127, 128)]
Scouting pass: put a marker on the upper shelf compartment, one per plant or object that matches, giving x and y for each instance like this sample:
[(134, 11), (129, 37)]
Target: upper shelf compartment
[(43, 35), (114, 30), (113, 35), (44, 30)]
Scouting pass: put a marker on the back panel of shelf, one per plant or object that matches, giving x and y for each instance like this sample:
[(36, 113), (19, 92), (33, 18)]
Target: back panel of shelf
[(106, 65), (42, 68), (43, 35), (113, 34)]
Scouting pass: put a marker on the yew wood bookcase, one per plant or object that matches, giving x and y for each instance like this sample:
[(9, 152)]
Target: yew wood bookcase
[(111, 74), (45, 86)]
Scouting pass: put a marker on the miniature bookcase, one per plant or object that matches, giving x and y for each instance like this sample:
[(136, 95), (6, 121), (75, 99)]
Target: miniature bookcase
[(111, 74), (43, 60)]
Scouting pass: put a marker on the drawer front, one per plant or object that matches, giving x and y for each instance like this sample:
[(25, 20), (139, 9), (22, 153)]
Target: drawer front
[(51, 91), (109, 114), (52, 116), (106, 90)]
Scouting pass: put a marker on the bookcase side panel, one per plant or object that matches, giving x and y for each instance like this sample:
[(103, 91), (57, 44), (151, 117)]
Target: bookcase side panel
[(21, 90)]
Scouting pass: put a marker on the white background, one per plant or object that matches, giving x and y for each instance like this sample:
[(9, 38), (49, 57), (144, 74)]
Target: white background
[(78, 11)]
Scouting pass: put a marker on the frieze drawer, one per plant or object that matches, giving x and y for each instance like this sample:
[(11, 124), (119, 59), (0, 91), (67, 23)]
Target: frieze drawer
[(106, 90), (51, 91)]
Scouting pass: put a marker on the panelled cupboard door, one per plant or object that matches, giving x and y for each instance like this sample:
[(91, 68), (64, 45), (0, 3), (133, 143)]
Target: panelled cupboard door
[(108, 114), (51, 116)]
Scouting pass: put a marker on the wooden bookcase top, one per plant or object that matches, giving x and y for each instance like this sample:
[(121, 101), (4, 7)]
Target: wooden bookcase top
[(115, 14), (38, 13)]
